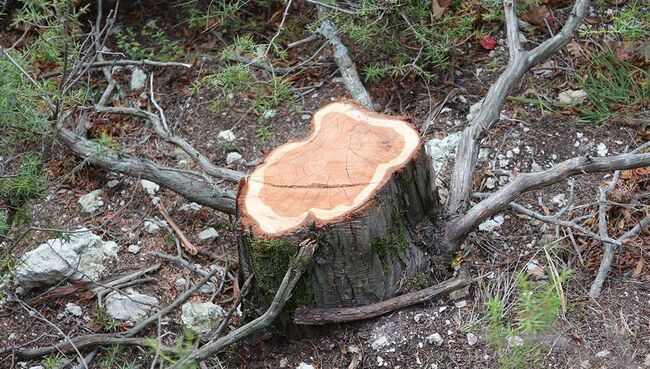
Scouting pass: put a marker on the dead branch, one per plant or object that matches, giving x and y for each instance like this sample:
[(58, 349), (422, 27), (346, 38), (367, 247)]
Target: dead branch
[(300, 263), (141, 63), (187, 245), (348, 69), (103, 339), (224, 323), (205, 193), (315, 316), (553, 220), (161, 130), (458, 229), (608, 256), (520, 62)]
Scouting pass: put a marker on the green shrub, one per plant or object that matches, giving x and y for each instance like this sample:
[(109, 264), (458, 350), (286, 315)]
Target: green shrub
[(535, 311)]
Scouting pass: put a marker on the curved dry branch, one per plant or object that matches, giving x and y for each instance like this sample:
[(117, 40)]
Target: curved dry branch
[(201, 192), (520, 62), (458, 230), (161, 130)]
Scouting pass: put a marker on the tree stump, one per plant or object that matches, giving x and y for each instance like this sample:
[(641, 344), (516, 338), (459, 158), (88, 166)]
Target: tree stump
[(357, 184)]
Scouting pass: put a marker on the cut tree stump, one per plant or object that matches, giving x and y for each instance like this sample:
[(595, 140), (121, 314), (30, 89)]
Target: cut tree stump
[(357, 184)]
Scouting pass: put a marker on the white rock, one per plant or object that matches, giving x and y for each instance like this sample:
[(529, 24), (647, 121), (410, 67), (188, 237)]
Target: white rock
[(201, 317), (152, 227), (490, 183), (110, 248), (516, 150), (461, 304), (192, 206), (483, 153), (112, 183), (534, 269), (305, 117), (73, 309), (491, 224), (305, 366), (509, 154), (284, 362), (37, 367), (208, 288), (559, 200), (134, 249), (138, 79), (150, 188), (435, 339), (473, 110), (379, 343), (269, 114), (503, 163), (234, 158), (90, 202), (77, 257), (130, 305), (571, 97), (439, 149), (418, 317), (472, 339), (603, 353), (227, 135), (602, 149), (514, 341), (181, 282), (208, 235)]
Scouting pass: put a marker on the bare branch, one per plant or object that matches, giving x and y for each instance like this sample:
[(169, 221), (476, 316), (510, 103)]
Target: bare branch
[(346, 66), (512, 30), (553, 220), (315, 316), (141, 63), (201, 192), (301, 261), (530, 181), (205, 164), (520, 62), (92, 340)]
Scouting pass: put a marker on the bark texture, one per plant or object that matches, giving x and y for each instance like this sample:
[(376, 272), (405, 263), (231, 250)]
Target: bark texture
[(364, 255)]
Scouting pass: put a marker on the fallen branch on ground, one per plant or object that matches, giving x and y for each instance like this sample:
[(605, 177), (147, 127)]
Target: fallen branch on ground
[(94, 340), (342, 58), (315, 316), (292, 276), (531, 181)]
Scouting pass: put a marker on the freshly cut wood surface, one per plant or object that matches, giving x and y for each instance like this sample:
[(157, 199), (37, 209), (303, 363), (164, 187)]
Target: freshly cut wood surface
[(350, 154)]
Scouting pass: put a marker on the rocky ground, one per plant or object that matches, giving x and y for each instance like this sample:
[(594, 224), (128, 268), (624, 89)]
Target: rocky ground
[(99, 226)]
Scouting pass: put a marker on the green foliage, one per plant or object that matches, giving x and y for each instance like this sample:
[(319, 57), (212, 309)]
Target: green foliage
[(22, 112), (150, 43), (106, 140), (535, 311), (630, 23), (29, 183), (272, 94), (234, 78), (50, 19), (111, 356), (405, 35), (217, 13), (107, 322), (613, 86), (263, 134), (183, 346), (7, 268), (52, 361)]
